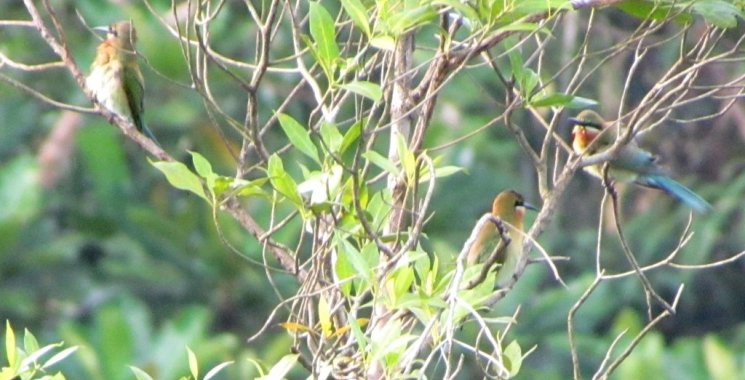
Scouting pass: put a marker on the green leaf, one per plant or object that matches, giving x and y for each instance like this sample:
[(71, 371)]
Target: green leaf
[(193, 364), (523, 27), (563, 100), (10, 344), (644, 9), (441, 172), (513, 357), (720, 360), (356, 259), (465, 9), (367, 89), (526, 7), (383, 42), (298, 136), (526, 78), (382, 162), (406, 156), (358, 14), (59, 357), (215, 370), (180, 177), (30, 344), (351, 136), (331, 137), (140, 374), (400, 22), (323, 33), (402, 280), (718, 12), (282, 181), (202, 166), (282, 367)]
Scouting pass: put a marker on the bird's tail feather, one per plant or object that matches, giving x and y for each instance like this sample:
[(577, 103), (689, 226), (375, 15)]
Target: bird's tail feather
[(677, 191), (145, 130)]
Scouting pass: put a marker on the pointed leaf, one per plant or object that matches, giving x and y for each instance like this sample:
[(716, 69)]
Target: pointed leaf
[(323, 33), (381, 162), (367, 89), (383, 42), (201, 165), (140, 374), (282, 181), (358, 14), (193, 365), (282, 367), (59, 357), (214, 371), (298, 136), (10, 344), (324, 316), (180, 177), (331, 136), (351, 136)]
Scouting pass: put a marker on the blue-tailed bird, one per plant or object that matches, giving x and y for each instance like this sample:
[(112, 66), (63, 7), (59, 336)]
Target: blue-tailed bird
[(631, 164), (116, 79)]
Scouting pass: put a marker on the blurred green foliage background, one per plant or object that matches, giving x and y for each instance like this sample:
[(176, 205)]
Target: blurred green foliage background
[(98, 250)]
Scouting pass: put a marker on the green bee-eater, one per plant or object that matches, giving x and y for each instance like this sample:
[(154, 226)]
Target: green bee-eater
[(632, 163), (115, 78), (509, 206)]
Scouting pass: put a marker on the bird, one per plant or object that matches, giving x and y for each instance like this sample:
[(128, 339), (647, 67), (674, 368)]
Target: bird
[(115, 78), (631, 164), (509, 206)]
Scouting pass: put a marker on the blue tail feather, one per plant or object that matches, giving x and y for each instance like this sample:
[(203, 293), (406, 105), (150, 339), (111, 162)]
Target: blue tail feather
[(677, 191)]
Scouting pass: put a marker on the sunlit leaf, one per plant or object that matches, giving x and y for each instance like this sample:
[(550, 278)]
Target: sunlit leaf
[(513, 357), (180, 177), (367, 89), (140, 374), (720, 361), (331, 136), (295, 327), (282, 181), (382, 162), (324, 316), (383, 42), (323, 33), (353, 133), (282, 367), (193, 364), (215, 370), (10, 344), (201, 165), (59, 356), (358, 14)]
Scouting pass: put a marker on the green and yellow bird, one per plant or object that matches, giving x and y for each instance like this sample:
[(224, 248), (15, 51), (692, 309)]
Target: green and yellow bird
[(115, 78), (631, 164), (509, 206)]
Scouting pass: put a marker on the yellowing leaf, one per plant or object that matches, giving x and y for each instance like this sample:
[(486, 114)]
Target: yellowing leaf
[(324, 316), (295, 327)]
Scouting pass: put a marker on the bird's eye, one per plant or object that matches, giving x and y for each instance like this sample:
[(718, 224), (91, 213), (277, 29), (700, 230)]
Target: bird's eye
[(112, 31)]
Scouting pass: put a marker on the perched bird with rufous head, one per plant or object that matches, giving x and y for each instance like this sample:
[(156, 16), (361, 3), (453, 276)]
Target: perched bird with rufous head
[(509, 207), (631, 164), (115, 78)]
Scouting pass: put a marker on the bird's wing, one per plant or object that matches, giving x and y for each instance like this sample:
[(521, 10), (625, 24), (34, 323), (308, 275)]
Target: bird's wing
[(135, 90), (636, 159)]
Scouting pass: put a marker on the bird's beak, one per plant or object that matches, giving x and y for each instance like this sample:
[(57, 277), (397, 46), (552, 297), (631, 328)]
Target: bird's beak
[(102, 29), (530, 206), (574, 120)]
